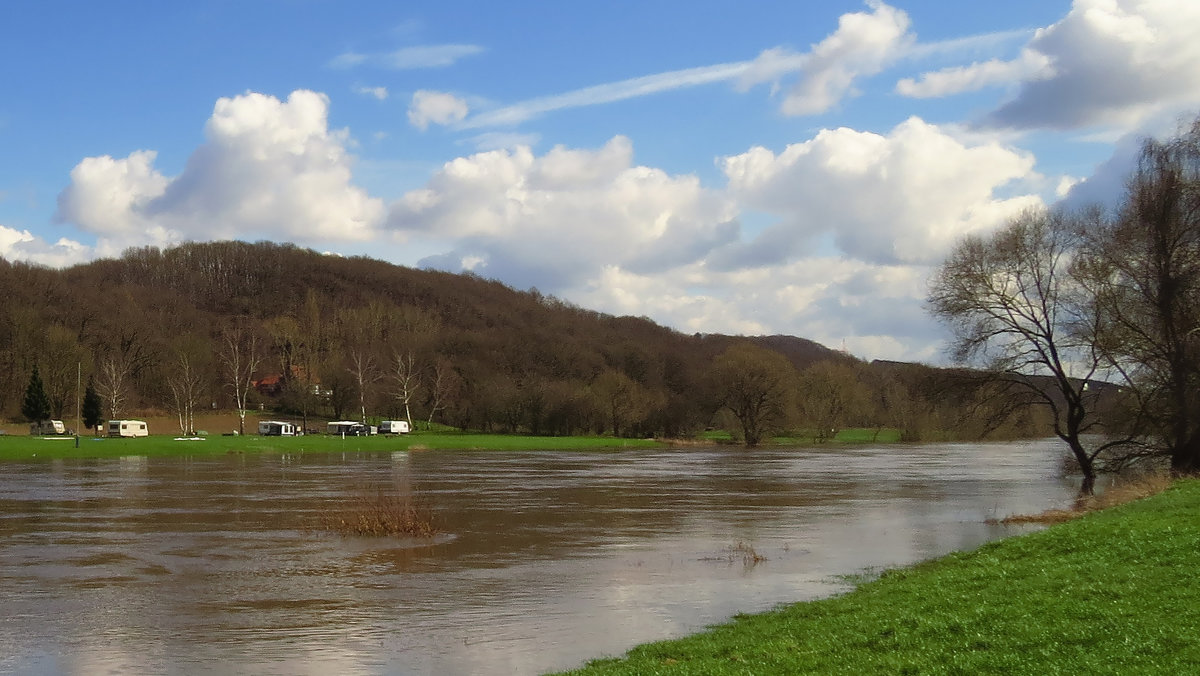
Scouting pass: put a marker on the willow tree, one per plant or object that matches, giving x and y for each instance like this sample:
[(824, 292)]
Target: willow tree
[(1146, 279)]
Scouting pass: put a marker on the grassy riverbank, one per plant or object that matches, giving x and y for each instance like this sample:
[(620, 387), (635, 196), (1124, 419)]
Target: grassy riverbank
[(14, 447), (1113, 592)]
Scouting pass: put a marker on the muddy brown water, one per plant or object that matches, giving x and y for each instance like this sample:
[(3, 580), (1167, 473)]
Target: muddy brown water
[(210, 565)]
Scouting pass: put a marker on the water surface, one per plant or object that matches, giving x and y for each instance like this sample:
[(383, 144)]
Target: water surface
[(212, 565)]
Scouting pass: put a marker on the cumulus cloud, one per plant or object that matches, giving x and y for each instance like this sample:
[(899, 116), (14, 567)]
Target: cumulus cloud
[(22, 245), (430, 107), (556, 220), (875, 311), (863, 44), (1114, 63), (268, 169), (856, 219), (903, 197)]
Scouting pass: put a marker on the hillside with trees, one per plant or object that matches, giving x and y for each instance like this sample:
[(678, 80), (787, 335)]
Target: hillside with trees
[(237, 326)]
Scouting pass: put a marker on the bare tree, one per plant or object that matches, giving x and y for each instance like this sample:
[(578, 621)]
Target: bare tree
[(1146, 276), (829, 394), (440, 384), (1017, 308), (186, 382), (240, 357), (756, 386), (365, 372), (406, 377)]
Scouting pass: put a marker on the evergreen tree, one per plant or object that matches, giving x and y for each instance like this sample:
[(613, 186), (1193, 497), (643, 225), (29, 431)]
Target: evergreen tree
[(93, 408), (36, 406)]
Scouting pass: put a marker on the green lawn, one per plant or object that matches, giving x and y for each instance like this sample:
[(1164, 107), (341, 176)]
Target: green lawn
[(1114, 592), (20, 447)]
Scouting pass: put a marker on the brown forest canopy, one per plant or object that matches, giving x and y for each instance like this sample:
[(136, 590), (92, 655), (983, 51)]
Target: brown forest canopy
[(355, 337)]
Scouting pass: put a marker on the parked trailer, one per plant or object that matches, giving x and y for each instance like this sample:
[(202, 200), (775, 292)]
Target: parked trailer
[(127, 428), (348, 428), (276, 428), (47, 427), (394, 427)]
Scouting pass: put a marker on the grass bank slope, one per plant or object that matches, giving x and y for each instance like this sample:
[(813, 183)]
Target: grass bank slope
[(1114, 592)]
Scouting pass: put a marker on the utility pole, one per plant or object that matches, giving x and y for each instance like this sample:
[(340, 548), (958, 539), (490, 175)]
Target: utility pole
[(78, 406)]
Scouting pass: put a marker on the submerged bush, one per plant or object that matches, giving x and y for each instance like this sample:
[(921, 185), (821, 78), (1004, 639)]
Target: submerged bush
[(382, 514)]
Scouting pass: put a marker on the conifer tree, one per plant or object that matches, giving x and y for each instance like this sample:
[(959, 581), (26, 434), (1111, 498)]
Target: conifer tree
[(36, 405), (93, 408)]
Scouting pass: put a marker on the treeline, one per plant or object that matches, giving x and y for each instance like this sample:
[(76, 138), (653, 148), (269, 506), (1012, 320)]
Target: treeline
[(233, 325)]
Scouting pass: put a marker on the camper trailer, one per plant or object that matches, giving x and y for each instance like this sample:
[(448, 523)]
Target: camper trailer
[(44, 427), (347, 428), (276, 428), (127, 428), (394, 427)]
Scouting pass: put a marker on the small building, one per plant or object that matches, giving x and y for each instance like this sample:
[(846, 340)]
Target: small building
[(276, 428), (394, 427), (127, 428)]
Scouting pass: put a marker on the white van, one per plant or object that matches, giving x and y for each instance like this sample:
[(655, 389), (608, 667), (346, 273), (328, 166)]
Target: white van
[(127, 428), (394, 427)]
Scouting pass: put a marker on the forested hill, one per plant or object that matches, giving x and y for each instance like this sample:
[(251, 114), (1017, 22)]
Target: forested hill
[(343, 337)]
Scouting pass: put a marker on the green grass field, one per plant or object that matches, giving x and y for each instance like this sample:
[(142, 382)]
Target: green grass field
[(1114, 592), (20, 447)]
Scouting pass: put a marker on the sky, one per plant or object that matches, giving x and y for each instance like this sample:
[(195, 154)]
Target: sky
[(772, 167)]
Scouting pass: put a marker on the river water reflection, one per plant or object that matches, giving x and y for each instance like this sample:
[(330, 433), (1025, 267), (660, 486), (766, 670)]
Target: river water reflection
[(210, 565)]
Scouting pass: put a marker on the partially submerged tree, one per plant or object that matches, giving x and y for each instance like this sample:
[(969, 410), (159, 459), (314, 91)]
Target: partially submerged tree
[(1018, 310)]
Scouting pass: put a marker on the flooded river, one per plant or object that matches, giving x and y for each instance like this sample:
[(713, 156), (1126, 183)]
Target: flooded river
[(212, 565)]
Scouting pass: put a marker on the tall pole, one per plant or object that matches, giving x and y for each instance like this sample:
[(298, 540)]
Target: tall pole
[(78, 407)]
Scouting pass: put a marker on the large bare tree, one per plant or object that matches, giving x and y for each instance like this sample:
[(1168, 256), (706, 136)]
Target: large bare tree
[(1018, 309), (1146, 279), (756, 385)]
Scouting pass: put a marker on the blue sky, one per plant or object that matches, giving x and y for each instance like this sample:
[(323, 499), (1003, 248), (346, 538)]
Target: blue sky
[(769, 167)]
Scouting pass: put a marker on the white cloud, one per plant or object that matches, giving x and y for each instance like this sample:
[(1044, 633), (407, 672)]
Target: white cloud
[(435, 107), (557, 219), (875, 310), (608, 93), (268, 169), (906, 196), (862, 45), (1031, 65), (22, 245), (859, 217), (1115, 63), (109, 196), (409, 58), (377, 93)]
